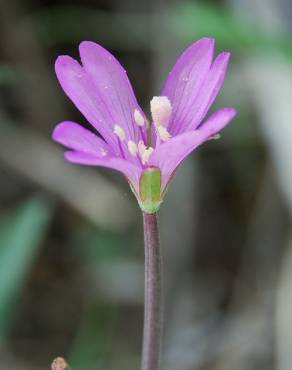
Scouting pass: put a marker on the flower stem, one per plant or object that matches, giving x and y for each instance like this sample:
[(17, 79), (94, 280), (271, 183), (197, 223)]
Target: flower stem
[(153, 295)]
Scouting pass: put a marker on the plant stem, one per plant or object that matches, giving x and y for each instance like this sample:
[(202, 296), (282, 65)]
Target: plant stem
[(153, 295)]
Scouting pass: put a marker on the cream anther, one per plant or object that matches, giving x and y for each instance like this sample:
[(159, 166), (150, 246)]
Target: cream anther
[(119, 132), (163, 133), (139, 119), (144, 151), (161, 109), (132, 147)]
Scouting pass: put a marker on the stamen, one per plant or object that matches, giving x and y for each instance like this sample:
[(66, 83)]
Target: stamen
[(144, 152), (132, 147), (118, 130), (161, 109), (163, 133), (141, 146), (139, 119)]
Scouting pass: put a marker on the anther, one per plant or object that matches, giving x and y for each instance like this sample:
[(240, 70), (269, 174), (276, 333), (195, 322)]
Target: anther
[(139, 119), (161, 109), (132, 147), (144, 152), (119, 132), (163, 133)]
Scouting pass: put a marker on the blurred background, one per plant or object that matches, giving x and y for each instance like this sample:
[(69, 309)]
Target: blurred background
[(71, 247)]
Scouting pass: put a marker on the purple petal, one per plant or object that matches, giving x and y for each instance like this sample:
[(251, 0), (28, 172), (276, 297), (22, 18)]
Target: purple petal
[(80, 90), (74, 136), (170, 154), (111, 79), (217, 121), (186, 78), (101, 91), (131, 171), (208, 92)]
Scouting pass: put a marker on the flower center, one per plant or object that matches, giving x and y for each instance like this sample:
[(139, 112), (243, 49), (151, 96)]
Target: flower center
[(161, 110)]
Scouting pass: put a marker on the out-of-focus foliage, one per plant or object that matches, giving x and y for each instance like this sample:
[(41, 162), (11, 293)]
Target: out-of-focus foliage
[(92, 346), (192, 21), (21, 235), (6, 74), (66, 24)]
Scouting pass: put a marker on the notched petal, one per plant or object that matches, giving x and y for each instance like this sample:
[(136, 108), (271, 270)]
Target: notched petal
[(74, 136)]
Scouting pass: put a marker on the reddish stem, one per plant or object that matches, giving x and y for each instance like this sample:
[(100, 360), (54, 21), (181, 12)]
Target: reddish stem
[(153, 295)]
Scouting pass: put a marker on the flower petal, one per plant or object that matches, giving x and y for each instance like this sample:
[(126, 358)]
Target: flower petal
[(185, 80), (111, 80), (100, 89), (74, 136), (79, 88), (170, 154), (217, 121), (195, 113), (131, 171)]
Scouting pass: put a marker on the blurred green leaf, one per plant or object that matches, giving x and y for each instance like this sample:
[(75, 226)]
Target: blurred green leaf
[(187, 21), (7, 74), (92, 344), (191, 21), (101, 246), (21, 233), (66, 24)]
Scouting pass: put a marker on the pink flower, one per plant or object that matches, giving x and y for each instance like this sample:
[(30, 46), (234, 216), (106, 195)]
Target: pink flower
[(127, 141)]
